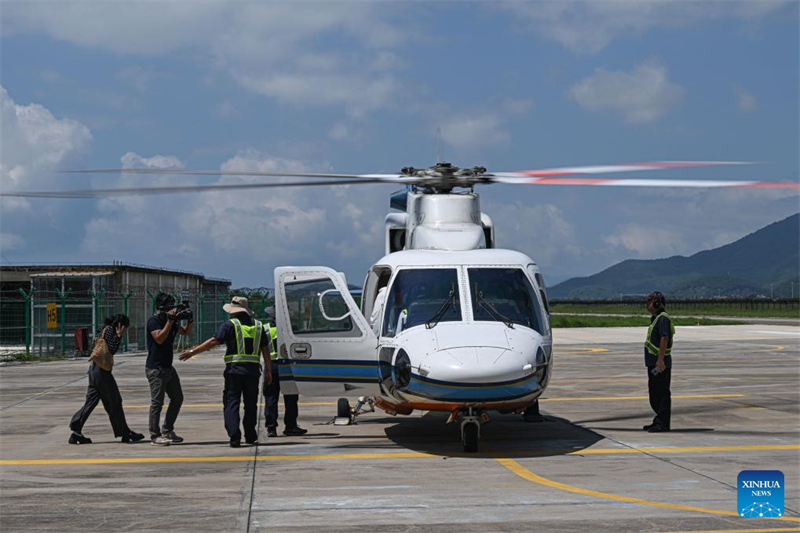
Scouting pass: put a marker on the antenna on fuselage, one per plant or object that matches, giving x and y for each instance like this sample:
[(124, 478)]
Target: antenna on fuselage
[(438, 144)]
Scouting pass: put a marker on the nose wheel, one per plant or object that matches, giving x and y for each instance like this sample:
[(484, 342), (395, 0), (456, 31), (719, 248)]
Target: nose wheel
[(471, 420)]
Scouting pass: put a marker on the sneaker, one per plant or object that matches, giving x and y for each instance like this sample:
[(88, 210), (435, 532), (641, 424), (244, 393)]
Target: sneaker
[(648, 427), (132, 436), (295, 432), (172, 437), (236, 444), (160, 441), (77, 438), (272, 432)]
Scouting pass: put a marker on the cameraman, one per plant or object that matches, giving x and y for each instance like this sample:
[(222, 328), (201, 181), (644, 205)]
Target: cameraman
[(161, 331)]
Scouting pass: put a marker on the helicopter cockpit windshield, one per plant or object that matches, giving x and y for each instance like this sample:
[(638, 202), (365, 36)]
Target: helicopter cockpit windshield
[(504, 295), (418, 295)]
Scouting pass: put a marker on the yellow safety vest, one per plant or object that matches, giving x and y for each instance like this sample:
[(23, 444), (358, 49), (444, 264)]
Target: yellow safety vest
[(651, 348), (246, 332), (273, 334)]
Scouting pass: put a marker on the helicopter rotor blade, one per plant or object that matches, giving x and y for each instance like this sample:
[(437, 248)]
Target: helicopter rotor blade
[(700, 184), (148, 191), (218, 172), (608, 169)]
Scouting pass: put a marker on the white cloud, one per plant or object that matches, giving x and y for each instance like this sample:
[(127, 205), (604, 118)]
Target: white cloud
[(476, 128), (646, 241), (588, 27), (542, 231), (34, 142), (140, 77), (259, 228), (274, 49), (746, 102), (643, 95), (11, 241)]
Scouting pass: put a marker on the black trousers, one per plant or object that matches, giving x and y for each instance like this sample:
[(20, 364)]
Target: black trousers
[(660, 396), (237, 387), (164, 381), (272, 393), (102, 388)]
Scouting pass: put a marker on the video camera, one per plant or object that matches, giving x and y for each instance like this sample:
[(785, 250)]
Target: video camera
[(182, 312), (166, 303)]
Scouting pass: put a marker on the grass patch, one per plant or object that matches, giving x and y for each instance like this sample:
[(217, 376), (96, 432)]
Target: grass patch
[(583, 321), (760, 310)]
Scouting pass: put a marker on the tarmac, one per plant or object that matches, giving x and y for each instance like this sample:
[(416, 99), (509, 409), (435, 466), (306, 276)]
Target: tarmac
[(587, 467)]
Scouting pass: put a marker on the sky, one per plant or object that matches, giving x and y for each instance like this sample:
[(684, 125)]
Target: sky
[(363, 87)]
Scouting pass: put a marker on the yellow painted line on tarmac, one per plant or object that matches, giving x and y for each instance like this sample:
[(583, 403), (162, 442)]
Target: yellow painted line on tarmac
[(398, 455), (529, 475), (609, 398), (683, 449), (760, 530)]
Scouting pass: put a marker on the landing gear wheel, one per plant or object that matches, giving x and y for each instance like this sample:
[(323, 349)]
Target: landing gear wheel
[(343, 408), (470, 437)]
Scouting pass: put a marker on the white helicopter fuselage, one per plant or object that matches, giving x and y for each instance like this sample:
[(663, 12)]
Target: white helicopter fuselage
[(454, 329)]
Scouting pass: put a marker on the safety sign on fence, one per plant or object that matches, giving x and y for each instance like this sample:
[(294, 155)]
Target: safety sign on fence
[(52, 316)]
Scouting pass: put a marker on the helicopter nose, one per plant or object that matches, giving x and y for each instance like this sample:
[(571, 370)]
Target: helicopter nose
[(466, 374)]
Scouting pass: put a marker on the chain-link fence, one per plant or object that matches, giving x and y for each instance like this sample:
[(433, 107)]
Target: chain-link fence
[(50, 321)]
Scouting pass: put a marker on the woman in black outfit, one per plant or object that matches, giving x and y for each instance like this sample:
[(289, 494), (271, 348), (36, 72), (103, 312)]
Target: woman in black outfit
[(103, 387)]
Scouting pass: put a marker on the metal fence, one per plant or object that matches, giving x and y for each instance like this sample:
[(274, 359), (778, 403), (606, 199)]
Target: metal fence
[(51, 322)]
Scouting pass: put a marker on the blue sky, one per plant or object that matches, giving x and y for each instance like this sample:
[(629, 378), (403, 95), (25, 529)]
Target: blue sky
[(363, 87)]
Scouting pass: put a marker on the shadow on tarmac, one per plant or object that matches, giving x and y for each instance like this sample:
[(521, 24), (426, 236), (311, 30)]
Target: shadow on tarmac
[(504, 436)]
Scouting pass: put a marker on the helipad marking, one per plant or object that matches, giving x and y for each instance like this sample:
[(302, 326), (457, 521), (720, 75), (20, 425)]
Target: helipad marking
[(527, 474), (399, 455)]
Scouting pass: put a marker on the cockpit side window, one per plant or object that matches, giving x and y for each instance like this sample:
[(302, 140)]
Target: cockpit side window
[(543, 292), (417, 295), (504, 294)]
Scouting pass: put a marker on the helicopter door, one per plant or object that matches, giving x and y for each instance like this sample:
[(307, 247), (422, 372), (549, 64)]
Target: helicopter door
[(322, 335)]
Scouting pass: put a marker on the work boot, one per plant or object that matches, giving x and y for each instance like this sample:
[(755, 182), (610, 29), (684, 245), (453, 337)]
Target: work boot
[(295, 432), (648, 427), (658, 428), (160, 441), (272, 432), (236, 444), (77, 438), (172, 437), (132, 436)]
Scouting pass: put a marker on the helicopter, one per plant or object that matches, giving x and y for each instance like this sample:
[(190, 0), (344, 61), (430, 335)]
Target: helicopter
[(447, 321)]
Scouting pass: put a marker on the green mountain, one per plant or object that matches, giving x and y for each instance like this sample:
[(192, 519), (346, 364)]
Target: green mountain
[(765, 261)]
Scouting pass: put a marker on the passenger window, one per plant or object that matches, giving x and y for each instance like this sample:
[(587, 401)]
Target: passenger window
[(305, 316), (417, 295), (504, 295)]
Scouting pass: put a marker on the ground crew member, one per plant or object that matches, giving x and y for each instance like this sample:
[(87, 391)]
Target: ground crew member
[(245, 343), (161, 331), (273, 390), (658, 360)]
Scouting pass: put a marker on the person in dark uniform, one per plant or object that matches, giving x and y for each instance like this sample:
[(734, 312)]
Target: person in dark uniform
[(103, 387), (246, 343), (658, 360), (272, 391), (161, 331)]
